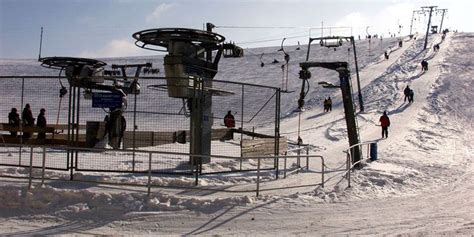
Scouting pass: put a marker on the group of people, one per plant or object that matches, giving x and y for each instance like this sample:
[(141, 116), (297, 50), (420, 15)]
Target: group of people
[(327, 104), (409, 94), (27, 120)]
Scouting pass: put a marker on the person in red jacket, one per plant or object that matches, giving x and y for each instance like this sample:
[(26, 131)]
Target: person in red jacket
[(385, 123), (229, 120)]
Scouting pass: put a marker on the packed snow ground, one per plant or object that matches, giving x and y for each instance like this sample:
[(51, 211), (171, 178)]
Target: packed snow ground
[(421, 184)]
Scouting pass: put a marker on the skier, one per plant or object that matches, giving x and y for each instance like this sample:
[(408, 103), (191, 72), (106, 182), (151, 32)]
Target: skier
[(329, 104), (326, 103), (406, 92), (41, 122), (14, 120), (411, 94), (386, 55), (424, 65), (229, 120), (385, 123)]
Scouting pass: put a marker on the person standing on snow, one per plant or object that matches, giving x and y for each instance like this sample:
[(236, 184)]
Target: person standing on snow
[(325, 103), (329, 104), (229, 120), (406, 92), (14, 120), (424, 65), (41, 122), (385, 123), (411, 94), (28, 120)]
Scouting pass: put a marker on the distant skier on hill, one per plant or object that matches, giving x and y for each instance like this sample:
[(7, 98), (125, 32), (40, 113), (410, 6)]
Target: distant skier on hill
[(406, 92), (385, 123), (411, 94), (386, 55), (424, 65)]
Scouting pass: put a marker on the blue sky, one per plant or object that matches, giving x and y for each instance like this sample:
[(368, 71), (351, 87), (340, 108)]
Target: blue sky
[(103, 28)]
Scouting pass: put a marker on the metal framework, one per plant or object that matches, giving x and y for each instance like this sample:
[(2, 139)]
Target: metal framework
[(339, 42), (346, 89)]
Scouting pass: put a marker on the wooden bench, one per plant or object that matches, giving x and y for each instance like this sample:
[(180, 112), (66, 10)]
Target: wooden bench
[(27, 129)]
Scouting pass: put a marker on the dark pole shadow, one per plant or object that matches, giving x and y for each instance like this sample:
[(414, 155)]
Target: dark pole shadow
[(228, 219)]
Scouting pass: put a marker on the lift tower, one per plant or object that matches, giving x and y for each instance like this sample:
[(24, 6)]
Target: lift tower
[(345, 84), (190, 66)]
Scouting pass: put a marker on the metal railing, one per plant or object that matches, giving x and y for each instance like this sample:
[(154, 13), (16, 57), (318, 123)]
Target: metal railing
[(350, 164), (149, 170)]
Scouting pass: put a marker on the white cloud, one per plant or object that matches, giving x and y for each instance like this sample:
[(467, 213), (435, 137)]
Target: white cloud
[(355, 20), (159, 11), (116, 48)]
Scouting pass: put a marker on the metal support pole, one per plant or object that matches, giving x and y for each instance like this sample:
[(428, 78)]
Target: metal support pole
[(69, 155), (361, 101), (411, 23), (428, 27), (322, 172), (277, 130), (149, 174), (284, 165), (258, 176), (298, 152), (43, 166), (72, 111), (31, 168), (442, 19), (134, 130), (21, 122), (242, 124), (78, 98), (307, 157)]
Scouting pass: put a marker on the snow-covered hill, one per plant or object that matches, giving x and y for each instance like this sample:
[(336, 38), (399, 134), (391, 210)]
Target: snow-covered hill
[(421, 184)]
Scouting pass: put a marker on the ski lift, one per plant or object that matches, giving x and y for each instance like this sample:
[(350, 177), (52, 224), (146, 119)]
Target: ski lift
[(232, 51), (330, 43)]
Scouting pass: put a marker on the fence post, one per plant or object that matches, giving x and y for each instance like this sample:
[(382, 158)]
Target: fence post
[(307, 157), (43, 166), (31, 168), (348, 162), (149, 174), (258, 175), (322, 172), (284, 165), (298, 161)]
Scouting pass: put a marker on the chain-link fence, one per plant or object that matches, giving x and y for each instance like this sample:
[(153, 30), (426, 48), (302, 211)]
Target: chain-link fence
[(154, 121)]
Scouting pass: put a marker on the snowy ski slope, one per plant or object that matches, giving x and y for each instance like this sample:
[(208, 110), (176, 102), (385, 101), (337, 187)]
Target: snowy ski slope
[(421, 184)]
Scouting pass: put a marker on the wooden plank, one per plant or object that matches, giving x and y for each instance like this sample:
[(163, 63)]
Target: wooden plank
[(262, 146), (252, 134)]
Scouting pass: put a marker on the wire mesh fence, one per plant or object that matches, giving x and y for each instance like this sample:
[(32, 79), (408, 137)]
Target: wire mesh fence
[(154, 121)]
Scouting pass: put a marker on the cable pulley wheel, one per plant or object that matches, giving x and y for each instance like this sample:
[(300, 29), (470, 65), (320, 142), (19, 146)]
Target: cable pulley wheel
[(62, 62), (161, 37)]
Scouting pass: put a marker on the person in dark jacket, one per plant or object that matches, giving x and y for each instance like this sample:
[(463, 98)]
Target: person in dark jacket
[(326, 105), (28, 120), (385, 123), (329, 104), (229, 120), (41, 122), (424, 65), (411, 94), (406, 92), (14, 120)]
